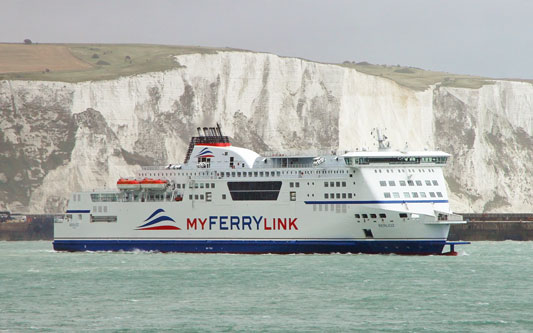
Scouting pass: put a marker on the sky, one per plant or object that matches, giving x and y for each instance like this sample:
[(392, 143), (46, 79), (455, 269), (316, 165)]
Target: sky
[(478, 37)]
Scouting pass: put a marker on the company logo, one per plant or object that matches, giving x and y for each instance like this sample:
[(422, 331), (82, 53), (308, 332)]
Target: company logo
[(157, 221), (205, 152)]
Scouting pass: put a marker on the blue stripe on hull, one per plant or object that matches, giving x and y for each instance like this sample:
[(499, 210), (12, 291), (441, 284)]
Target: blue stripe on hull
[(258, 247)]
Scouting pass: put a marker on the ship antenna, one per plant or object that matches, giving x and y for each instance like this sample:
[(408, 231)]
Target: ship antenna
[(382, 145)]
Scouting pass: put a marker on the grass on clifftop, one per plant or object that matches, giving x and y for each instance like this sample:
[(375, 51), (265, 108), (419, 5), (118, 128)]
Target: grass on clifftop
[(418, 79), (109, 61)]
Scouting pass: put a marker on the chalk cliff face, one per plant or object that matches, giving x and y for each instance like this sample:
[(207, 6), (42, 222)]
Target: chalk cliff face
[(60, 137)]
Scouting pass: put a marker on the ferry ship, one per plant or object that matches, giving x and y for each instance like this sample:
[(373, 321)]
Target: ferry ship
[(227, 199)]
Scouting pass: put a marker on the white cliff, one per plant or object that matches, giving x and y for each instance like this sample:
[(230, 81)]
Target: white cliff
[(60, 137)]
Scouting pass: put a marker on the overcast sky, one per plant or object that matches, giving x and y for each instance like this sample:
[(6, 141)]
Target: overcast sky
[(481, 37)]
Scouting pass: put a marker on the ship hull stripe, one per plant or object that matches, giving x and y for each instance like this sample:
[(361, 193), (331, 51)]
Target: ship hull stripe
[(375, 202), (422, 247)]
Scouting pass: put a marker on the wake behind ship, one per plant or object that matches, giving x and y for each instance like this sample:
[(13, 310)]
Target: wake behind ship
[(232, 200)]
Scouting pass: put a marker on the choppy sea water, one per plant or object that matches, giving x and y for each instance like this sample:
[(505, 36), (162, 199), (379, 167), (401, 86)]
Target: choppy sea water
[(487, 288)]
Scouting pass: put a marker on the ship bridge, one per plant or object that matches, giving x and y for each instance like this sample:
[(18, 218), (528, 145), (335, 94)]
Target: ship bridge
[(357, 159)]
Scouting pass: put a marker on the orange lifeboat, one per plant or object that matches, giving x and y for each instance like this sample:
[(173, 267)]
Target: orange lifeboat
[(153, 184), (128, 184)]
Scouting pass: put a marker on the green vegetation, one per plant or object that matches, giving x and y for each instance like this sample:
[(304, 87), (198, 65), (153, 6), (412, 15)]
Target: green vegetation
[(110, 61), (416, 78)]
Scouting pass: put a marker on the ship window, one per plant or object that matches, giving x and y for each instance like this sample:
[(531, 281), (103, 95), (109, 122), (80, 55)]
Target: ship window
[(382, 183), (406, 195), (297, 184), (105, 209), (395, 194), (212, 185), (373, 216), (344, 195), (332, 195), (365, 216), (244, 174), (423, 194), (432, 194), (357, 216), (293, 196), (338, 195), (428, 182), (227, 174), (190, 196), (278, 173), (326, 196), (99, 209), (392, 183), (387, 194), (403, 215), (402, 182), (201, 197), (338, 184), (411, 183), (201, 185), (383, 216), (439, 194), (223, 197), (94, 209), (238, 174), (291, 184), (343, 184), (325, 184), (349, 195), (261, 174), (368, 233), (419, 183), (255, 173), (233, 174), (435, 183), (207, 185), (178, 185), (415, 195)]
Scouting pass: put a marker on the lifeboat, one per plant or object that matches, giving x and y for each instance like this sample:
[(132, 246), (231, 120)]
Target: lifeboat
[(128, 184), (153, 184)]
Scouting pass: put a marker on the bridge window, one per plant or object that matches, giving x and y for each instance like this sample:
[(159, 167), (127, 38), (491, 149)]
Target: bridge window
[(387, 194), (396, 195), (382, 183), (410, 183), (428, 182), (435, 183), (419, 183), (403, 215), (402, 182), (326, 196), (392, 183), (406, 195), (439, 194), (432, 194)]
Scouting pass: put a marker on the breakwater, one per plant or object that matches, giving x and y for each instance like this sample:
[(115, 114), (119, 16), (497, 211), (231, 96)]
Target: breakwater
[(31, 227), (493, 227)]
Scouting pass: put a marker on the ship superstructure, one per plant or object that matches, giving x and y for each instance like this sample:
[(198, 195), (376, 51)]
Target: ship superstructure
[(230, 199)]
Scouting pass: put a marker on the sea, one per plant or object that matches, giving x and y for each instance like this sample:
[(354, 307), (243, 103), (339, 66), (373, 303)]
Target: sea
[(488, 287)]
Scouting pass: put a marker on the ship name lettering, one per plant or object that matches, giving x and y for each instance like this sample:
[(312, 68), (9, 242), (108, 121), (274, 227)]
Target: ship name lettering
[(241, 223)]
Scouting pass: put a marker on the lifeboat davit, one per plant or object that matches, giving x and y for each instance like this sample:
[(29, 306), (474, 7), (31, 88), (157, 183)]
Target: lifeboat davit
[(153, 184), (128, 184)]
